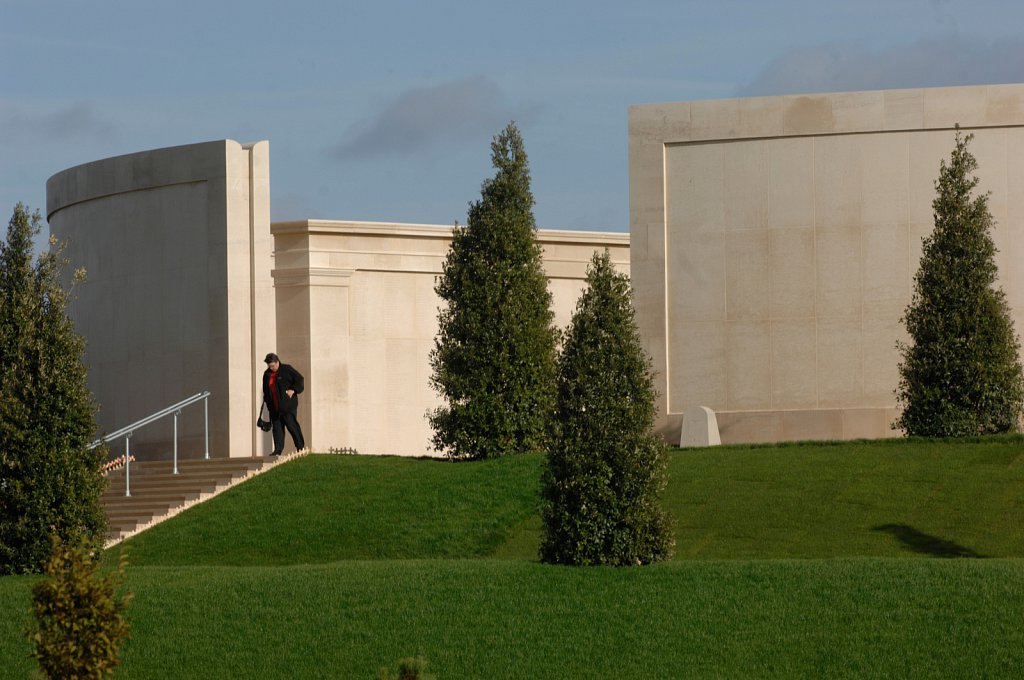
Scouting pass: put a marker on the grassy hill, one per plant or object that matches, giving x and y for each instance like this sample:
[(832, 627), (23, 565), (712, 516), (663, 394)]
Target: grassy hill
[(799, 560), (861, 499)]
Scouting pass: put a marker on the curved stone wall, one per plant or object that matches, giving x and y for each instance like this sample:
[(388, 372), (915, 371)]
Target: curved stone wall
[(179, 298)]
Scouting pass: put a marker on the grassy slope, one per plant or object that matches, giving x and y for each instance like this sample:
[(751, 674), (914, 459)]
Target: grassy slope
[(360, 594), (885, 499), (329, 508)]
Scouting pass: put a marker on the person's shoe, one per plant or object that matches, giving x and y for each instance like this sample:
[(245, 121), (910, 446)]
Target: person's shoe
[(275, 454)]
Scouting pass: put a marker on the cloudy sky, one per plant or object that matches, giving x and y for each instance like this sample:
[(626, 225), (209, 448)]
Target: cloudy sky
[(382, 110)]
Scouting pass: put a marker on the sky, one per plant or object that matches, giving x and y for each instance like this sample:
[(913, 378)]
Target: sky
[(384, 111)]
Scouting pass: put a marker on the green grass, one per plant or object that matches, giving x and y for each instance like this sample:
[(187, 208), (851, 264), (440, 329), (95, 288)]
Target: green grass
[(792, 561), (329, 508), (862, 499), (888, 498), (508, 619)]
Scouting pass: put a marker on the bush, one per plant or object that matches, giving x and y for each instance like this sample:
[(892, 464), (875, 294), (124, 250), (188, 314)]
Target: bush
[(606, 469), (494, 357), (49, 482), (408, 669), (80, 623), (961, 373)]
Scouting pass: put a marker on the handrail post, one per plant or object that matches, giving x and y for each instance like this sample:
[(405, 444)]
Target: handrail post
[(127, 466), (206, 424), (176, 414)]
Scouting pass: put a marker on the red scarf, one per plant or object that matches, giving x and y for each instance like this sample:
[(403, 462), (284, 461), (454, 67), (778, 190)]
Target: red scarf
[(273, 389)]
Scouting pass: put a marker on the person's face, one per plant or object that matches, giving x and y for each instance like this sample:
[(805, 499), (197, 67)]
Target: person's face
[(273, 366)]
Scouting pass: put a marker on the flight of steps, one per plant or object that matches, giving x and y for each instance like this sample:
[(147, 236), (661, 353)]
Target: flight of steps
[(157, 493)]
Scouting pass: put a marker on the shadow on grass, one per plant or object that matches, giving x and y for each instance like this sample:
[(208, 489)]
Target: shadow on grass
[(926, 544)]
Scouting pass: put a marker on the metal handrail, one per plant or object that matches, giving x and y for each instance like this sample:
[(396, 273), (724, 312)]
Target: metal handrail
[(174, 410)]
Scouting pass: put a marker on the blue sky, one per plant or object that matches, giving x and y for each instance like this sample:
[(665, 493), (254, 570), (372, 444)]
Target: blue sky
[(385, 110)]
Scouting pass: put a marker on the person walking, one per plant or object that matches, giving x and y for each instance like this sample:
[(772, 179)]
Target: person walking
[(282, 385)]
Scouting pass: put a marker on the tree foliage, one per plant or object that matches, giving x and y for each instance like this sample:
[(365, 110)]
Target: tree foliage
[(960, 373), (79, 617), (49, 482), (494, 356), (606, 468)]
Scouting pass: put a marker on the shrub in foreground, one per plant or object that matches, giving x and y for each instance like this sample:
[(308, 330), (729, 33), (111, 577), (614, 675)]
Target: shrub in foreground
[(79, 617), (408, 669)]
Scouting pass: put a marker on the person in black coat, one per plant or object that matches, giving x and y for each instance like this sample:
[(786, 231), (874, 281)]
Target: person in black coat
[(282, 385)]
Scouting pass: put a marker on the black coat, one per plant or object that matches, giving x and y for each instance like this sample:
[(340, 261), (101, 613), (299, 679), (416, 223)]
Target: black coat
[(287, 379)]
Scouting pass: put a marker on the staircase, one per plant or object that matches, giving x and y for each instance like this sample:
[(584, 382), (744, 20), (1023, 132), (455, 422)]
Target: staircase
[(158, 494)]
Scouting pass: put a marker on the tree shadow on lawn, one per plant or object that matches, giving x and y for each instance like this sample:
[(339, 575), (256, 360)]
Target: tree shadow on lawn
[(926, 543)]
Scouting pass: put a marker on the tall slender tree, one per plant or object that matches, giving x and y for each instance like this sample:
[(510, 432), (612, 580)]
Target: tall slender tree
[(494, 355), (606, 468), (50, 484), (960, 373)]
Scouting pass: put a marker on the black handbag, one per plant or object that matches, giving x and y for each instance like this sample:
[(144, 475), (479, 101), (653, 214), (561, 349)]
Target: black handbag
[(260, 423)]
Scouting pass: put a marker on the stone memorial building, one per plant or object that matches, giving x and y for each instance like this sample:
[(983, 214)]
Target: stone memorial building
[(772, 247)]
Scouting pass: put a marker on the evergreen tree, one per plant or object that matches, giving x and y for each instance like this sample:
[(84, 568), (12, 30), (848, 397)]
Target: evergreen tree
[(606, 468), (961, 374), (494, 356), (49, 483)]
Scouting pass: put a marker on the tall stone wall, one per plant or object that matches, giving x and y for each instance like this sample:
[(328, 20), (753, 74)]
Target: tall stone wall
[(357, 314), (775, 240), (179, 297)]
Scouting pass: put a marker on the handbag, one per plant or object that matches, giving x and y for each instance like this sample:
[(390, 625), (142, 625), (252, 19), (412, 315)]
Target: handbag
[(260, 423)]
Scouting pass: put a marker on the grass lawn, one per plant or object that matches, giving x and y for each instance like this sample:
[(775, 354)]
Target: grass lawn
[(792, 561)]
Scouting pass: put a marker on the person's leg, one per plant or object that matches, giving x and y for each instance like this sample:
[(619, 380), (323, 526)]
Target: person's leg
[(278, 428), (294, 430)]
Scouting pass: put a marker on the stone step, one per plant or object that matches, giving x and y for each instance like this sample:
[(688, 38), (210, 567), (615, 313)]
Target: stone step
[(182, 474), (156, 491), (128, 503), (144, 486), (142, 469)]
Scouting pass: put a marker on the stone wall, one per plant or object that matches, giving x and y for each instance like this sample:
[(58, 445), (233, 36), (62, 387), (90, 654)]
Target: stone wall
[(179, 297), (357, 314), (190, 286), (775, 240)]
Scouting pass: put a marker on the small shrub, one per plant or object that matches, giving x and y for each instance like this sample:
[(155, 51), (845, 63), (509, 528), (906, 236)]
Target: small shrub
[(79, 619), (408, 669)]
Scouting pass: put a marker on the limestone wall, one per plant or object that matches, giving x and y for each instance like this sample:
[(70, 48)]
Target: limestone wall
[(774, 243), (179, 297), (357, 314)]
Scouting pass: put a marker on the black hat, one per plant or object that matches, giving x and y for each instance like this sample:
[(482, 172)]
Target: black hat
[(272, 357)]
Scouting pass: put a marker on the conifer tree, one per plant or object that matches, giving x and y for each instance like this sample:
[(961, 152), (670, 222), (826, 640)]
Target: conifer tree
[(494, 356), (49, 483), (606, 468), (960, 374)]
